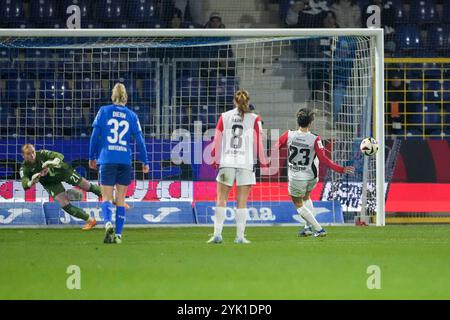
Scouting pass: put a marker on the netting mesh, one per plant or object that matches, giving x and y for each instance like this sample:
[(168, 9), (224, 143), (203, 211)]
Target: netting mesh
[(51, 90)]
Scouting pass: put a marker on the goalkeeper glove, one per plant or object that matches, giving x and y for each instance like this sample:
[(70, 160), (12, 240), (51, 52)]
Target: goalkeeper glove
[(53, 163), (34, 179)]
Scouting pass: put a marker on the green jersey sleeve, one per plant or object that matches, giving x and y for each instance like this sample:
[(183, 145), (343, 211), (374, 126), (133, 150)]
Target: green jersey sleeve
[(24, 178), (50, 155)]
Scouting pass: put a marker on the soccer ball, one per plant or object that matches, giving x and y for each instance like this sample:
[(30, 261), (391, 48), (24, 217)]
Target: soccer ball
[(369, 146)]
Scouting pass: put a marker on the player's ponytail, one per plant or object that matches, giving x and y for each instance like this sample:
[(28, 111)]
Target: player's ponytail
[(304, 117), (119, 94), (242, 101)]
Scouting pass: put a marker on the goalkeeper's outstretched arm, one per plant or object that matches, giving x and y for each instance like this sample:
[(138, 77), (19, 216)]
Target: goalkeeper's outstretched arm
[(54, 158), (27, 181)]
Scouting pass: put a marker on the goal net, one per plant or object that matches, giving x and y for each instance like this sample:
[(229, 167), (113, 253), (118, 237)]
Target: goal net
[(179, 82)]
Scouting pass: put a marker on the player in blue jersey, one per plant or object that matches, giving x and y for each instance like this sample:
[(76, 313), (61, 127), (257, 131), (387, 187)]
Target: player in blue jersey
[(110, 148)]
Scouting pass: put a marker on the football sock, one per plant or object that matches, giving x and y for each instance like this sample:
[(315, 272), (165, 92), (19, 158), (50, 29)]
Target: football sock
[(309, 205), (95, 189), (309, 217), (219, 218), (120, 220), (76, 212), (107, 211), (241, 218)]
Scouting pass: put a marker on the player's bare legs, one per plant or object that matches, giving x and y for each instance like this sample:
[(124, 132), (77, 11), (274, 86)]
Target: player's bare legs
[(63, 200), (223, 191), (241, 213), (107, 193)]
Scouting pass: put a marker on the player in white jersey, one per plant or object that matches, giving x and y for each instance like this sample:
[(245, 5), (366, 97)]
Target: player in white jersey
[(305, 150), (237, 143)]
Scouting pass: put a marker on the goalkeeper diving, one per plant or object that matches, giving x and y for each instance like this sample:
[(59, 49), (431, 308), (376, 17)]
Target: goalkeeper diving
[(48, 168)]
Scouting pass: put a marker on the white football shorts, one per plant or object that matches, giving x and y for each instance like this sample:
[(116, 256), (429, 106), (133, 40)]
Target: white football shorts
[(299, 188), (243, 177)]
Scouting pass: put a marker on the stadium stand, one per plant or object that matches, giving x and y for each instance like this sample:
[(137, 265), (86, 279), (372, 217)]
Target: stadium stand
[(415, 29)]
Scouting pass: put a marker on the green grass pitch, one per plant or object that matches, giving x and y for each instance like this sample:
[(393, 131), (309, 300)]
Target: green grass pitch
[(176, 263)]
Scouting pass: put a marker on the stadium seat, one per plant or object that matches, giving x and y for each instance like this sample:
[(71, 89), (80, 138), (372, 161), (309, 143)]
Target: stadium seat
[(9, 63), (400, 16), (18, 91), (58, 89), (447, 116), (408, 37), (141, 11), (80, 127), (45, 12), (414, 116), (223, 87), (143, 63), (439, 38), (446, 12), (434, 91), (131, 87), (122, 25), (423, 11), (85, 8), (144, 114), (111, 11), (283, 9), (432, 119), (4, 116), (21, 25), (415, 91), (207, 114), (188, 89), (446, 90), (190, 25), (149, 93), (12, 11), (91, 24), (107, 61), (431, 70), (88, 91), (155, 24), (38, 62)]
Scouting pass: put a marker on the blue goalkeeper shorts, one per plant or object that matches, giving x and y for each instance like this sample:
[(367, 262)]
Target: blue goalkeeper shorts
[(112, 174)]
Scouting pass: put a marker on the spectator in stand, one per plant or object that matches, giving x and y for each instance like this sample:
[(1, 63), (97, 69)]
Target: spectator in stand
[(395, 102), (223, 67), (318, 72), (295, 7), (300, 15), (329, 20), (317, 7), (215, 21), (387, 12), (348, 13), (176, 19), (195, 10)]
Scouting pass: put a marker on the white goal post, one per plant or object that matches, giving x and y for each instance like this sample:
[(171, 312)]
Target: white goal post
[(376, 47)]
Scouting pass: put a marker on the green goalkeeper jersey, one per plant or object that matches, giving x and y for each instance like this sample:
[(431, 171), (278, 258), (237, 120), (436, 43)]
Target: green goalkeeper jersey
[(55, 174)]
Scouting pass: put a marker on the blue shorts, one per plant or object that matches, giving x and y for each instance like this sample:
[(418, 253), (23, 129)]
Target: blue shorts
[(112, 174)]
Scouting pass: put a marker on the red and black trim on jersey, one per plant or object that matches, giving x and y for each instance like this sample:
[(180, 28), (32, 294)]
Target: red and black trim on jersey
[(320, 153), (257, 134)]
